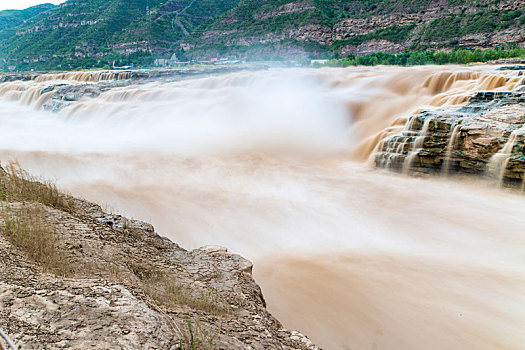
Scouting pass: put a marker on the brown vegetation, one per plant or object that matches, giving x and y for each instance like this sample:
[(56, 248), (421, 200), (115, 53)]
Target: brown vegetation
[(16, 185), (27, 229)]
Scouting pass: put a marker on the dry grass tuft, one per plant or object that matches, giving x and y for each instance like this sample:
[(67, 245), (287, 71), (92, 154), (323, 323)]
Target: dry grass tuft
[(195, 337), (16, 185), (166, 291), (27, 229)]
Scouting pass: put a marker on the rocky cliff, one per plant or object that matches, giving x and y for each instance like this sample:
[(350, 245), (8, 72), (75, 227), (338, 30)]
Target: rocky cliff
[(485, 137), (75, 277)]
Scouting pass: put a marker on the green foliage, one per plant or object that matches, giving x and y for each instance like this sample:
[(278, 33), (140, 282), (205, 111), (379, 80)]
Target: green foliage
[(194, 337), (75, 36), (461, 56), (392, 33), (13, 18), (450, 27)]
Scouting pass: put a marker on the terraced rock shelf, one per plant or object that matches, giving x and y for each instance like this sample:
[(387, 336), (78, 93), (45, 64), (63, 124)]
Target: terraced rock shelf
[(484, 137)]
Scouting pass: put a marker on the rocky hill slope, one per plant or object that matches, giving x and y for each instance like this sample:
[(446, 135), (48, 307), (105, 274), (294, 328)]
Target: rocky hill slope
[(87, 33), (14, 18), (81, 33), (75, 277)]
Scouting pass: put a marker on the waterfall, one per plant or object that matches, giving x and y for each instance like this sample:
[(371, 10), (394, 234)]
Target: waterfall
[(450, 147), (417, 146), (498, 162), (85, 77)]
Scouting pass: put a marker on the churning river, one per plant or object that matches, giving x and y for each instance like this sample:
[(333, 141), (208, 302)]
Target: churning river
[(275, 166)]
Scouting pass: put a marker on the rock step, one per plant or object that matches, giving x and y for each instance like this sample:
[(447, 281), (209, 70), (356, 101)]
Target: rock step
[(482, 128)]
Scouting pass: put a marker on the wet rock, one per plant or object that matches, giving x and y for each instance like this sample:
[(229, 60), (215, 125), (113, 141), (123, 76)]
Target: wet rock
[(516, 67), (462, 140), (64, 94)]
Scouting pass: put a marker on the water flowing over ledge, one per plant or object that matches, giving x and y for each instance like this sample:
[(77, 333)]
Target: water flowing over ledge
[(275, 165), (484, 137)]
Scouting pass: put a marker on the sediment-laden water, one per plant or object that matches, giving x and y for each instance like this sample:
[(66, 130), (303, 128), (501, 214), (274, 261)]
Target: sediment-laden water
[(275, 166)]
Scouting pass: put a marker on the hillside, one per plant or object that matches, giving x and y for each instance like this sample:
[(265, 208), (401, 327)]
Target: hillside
[(321, 27), (82, 33), (10, 19), (13, 18)]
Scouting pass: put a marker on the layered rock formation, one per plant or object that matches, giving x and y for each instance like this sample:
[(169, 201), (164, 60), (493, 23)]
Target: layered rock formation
[(105, 281), (486, 136)]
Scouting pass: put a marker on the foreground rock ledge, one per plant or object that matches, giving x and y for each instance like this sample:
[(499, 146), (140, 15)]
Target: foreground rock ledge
[(125, 287)]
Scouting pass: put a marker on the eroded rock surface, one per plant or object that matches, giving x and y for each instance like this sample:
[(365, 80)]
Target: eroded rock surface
[(129, 288)]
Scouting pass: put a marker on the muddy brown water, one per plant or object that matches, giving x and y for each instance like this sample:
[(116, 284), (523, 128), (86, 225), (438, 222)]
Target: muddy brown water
[(273, 165)]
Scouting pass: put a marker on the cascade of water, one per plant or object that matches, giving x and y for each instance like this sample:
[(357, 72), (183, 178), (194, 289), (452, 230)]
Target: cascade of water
[(124, 76), (27, 93), (417, 146), (30, 95), (492, 82), (92, 77), (450, 147), (231, 160), (389, 150), (390, 153), (498, 163), (43, 99)]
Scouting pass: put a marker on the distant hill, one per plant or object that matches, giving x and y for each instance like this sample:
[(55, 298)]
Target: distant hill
[(10, 19), (276, 28), (13, 18), (83, 33)]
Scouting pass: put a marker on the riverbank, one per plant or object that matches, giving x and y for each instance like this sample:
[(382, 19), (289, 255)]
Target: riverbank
[(73, 276)]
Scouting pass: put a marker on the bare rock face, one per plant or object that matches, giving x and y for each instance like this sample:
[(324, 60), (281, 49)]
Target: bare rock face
[(116, 284), (484, 137), (80, 314)]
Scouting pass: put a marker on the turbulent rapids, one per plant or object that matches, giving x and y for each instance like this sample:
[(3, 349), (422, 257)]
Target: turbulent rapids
[(285, 168)]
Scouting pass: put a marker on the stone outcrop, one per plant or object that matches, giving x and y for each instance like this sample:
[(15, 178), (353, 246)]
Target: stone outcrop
[(126, 287), (484, 137)]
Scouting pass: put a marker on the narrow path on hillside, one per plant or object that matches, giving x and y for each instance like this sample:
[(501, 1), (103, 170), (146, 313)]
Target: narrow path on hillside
[(177, 21)]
